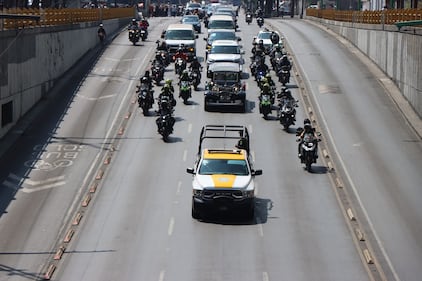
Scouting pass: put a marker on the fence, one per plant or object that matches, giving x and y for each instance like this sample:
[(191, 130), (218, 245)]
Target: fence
[(52, 17), (369, 17)]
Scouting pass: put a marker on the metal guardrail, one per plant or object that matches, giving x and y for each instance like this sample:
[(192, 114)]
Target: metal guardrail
[(24, 18), (368, 17)]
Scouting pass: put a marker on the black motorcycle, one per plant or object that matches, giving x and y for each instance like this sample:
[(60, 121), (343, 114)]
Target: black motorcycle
[(308, 150), (284, 75), (165, 104), (287, 112), (185, 91), (260, 21), (134, 36), (248, 18), (179, 66), (157, 72), (143, 34), (195, 77), (145, 98), (165, 125)]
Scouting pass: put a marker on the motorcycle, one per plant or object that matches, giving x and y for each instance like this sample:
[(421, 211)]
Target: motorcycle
[(287, 112), (260, 21), (265, 105), (145, 99), (179, 66), (284, 75), (185, 91), (308, 150), (143, 34), (157, 72), (195, 77), (101, 36), (133, 36), (248, 18), (165, 105), (259, 75), (165, 125)]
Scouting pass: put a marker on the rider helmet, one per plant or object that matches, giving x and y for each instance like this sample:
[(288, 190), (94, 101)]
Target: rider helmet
[(144, 80), (268, 76), (101, 25), (146, 73)]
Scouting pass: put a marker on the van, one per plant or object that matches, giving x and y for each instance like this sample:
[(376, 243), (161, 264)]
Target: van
[(180, 34), (221, 22)]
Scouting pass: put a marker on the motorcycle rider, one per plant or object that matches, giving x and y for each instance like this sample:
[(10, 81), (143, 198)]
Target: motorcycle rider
[(133, 25), (101, 32), (169, 83), (166, 91), (301, 132), (259, 49), (146, 79), (274, 37), (181, 54), (195, 65), (184, 76), (285, 63), (161, 46), (143, 24)]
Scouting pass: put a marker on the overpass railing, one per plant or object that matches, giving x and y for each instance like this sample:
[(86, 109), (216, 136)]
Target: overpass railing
[(368, 17), (52, 17)]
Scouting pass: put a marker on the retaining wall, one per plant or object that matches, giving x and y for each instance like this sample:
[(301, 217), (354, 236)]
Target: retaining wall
[(398, 54), (32, 60)]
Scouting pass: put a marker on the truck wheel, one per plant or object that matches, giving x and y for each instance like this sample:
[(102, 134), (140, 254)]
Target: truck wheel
[(195, 213)]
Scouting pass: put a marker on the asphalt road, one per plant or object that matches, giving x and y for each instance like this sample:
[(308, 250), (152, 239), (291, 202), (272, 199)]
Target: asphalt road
[(138, 225)]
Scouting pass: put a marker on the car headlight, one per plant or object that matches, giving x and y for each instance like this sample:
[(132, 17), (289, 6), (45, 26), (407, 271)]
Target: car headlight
[(211, 60)]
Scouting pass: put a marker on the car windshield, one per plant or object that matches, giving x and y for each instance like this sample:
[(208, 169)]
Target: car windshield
[(194, 6), (180, 35), (190, 20), (225, 50), (223, 166), (221, 24), (264, 35), (221, 36), (225, 77)]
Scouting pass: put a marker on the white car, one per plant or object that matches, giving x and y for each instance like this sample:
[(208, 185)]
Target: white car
[(225, 51), (265, 36)]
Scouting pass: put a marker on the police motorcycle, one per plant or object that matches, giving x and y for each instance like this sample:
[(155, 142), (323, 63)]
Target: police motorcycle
[(134, 32), (143, 34), (185, 90), (265, 104), (308, 146), (287, 111), (260, 21), (145, 97), (248, 18), (195, 77), (165, 123), (157, 69), (162, 50)]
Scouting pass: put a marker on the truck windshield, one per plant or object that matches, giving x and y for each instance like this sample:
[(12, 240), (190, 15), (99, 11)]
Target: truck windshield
[(180, 35), (224, 166)]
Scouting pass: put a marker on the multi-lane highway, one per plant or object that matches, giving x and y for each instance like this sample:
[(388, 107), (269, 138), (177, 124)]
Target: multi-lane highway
[(136, 222)]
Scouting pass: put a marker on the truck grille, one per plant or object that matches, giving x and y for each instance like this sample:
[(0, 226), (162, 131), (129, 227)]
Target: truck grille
[(215, 194)]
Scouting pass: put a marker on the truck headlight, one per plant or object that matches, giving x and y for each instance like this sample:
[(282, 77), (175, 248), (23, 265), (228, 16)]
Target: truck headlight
[(249, 193), (196, 192)]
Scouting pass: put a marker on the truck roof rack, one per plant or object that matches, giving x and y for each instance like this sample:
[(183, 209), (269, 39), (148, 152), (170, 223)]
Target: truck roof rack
[(225, 132)]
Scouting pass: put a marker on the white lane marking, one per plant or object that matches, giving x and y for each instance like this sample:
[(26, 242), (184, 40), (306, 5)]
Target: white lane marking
[(256, 189), (171, 227), (32, 182), (179, 187), (260, 227), (265, 276), (94, 99), (185, 155), (250, 128), (162, 274), (190, 128), (124, 99), (118, 60), (47, 186), (253, 155)]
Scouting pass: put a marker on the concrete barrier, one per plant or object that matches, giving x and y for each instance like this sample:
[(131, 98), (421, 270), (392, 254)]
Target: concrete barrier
[(398, 54), (32, 60)]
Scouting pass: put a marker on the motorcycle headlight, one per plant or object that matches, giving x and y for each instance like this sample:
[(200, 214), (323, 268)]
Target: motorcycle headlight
[(310, 144), (191, 49)]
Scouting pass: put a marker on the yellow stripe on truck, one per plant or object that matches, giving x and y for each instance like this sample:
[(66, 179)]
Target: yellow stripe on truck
[(223, 181)]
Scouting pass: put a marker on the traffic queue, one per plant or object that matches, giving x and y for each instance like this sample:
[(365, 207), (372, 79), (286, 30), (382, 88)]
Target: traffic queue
[(224, 88)]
